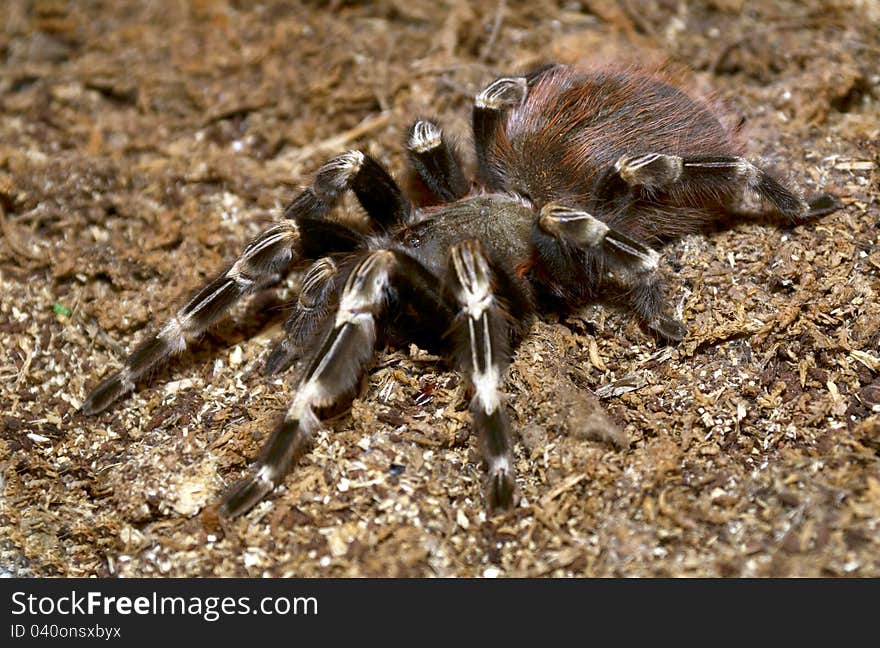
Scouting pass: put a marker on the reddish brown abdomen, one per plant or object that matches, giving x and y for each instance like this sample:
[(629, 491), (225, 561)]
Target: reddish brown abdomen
[(575, 124)]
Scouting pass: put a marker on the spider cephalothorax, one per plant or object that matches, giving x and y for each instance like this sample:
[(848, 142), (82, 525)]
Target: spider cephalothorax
[(581, 175)]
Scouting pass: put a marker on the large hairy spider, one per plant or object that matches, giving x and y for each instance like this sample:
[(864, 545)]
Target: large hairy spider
[(581, 174)]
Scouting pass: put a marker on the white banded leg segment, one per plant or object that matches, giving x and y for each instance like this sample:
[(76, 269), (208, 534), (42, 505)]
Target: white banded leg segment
[(335, 176), (424, 135), (260, 263), (658, 171), (316, 283), (354, 170), (341, 358), (472, 277), (374, 187), (502, 93), (575, 226), (583, 230), (312, 306), (644, 292), (482, 350), (490, 107), (331, 181), (436, 161), (650, 170), (332, 375)]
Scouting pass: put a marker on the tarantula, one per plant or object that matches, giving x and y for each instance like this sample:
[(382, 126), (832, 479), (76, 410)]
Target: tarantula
[(582, 174)]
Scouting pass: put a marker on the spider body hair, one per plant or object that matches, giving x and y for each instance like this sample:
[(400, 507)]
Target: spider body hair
[(562, 143)]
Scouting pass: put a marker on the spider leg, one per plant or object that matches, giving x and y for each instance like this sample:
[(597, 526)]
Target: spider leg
[(331, 375), (490, 107), (637, 261), (339, 362), (583, 230), (374, 187), (303, 229), (387, 207), (312, 306), (261, 262), (436, 161), (659, 171), (646, 298), (481, 336)]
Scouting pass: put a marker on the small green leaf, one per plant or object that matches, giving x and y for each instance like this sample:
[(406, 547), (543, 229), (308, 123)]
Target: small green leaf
[(61, 309)]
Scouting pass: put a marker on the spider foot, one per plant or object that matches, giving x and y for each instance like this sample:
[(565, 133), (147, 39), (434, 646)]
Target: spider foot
[(282, 356), (501, 492), (104, 394), (242, 497), (669, 329), (497, 448), (823, 205), (291, 440)]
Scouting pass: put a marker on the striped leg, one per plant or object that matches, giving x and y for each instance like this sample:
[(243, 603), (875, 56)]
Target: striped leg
[(375, 189), (490, 106), (646, 294), (660, 171), (331, 376), (481, 335), (436, 161), (260, 263), (583, 230), (312, 306)]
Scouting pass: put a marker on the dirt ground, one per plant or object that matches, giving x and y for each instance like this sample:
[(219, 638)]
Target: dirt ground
[(142, 143)]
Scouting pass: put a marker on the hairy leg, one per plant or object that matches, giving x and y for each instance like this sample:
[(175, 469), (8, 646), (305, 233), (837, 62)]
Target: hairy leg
[(436, 161), (338, 363), (653, 171), (260, 263), (331, 376), (490, 107), (311, 308), (302, 232), (481, 342), (635, 264)]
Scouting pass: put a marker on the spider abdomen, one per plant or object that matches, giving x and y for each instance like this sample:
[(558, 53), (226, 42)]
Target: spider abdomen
[(561, 143)]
